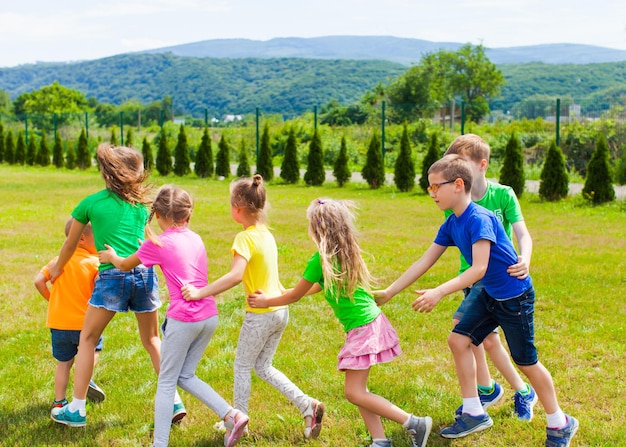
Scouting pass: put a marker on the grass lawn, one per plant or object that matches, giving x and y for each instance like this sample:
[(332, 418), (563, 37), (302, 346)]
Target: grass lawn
[(579, 272)]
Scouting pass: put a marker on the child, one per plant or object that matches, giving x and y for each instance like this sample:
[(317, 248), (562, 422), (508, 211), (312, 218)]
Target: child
[(67, 304), (506, 301), (189, 325), (502, 201), (255, 261), (340, 271), (118, 215)]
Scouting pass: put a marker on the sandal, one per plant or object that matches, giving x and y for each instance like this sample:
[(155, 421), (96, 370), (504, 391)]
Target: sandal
[(234, 427), (316, 412)]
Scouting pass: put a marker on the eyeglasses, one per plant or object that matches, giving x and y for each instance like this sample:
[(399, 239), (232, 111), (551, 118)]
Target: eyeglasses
[(435, 186)]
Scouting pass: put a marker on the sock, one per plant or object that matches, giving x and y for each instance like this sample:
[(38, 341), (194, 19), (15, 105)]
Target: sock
[(406, 423), (379, 440), (177, 399), (472, 406), (77, 405), (556, 420), (525, 391), (487, 389)]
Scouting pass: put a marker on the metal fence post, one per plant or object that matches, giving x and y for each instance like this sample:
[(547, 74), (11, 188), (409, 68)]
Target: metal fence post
[(382, 126), (558, 121)]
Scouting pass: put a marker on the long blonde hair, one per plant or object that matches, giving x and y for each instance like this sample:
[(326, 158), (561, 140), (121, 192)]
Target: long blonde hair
[(331, 227), (172, 203), (122, 170), (249, 194)]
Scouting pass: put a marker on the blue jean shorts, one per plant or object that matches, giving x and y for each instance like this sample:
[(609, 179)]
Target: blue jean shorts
[(65, 344), (516, 318), (118, 291), (470, 295)]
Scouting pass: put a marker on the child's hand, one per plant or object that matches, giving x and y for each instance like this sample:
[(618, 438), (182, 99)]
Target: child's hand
[(106, 256), (519, 270), (381, 296), (190, 292), (54, 272), (427, 301), (258, 299)]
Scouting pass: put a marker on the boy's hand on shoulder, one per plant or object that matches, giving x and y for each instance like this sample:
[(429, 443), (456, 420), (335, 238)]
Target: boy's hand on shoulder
[(258, 299), (381, 296), (427, 301), (519, 270)]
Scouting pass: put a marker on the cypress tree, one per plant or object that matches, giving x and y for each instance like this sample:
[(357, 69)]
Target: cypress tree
[(129, 141), (70, 157), (243, 169), (512, 172), (57, 152), (432, 155), (31, 151), (290, 169), (341, 170), (599, 181), (182, 160), (222, 160), (404, 175), (620, 175), (148, 156), (374, 171), (554, 183), (315, 174), (20, 149), (204, 157), (113, 140), (1, 143), (164, 157), (83, 157), (43, 156), (9, 148), (264, 165)]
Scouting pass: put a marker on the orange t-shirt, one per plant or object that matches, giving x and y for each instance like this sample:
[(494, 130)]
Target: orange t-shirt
[(71, 291)]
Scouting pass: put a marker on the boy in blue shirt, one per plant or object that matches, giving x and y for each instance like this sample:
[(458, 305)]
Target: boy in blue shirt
[(507, 302)]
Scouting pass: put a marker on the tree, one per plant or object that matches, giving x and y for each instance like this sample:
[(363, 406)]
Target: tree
[(432, 155), (31, 151), (57, 152), (113, 138), (290, 169), (264, 165), (315, 173), (411, 94), (599, 181), (374, 171), (512, 171), (148, 156), (404, 174), (164, 156), (243, 168), (43, 104), (341, 170), (129, 142), (9, 147), (182, 159), (83, 156), (20, 149), (1, 143), (70, 157), (554, 178), (222, 159), (620, 175), (204, 157), (43, 156)]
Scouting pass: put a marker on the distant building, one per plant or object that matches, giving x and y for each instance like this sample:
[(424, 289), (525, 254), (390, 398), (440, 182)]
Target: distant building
[(232, 118)]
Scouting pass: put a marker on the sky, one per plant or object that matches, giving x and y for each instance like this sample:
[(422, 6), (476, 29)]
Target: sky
[(71, 30)]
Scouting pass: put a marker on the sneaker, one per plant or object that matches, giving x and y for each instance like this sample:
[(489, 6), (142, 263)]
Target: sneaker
[(178, 413), (95, 393), (524, 404), (464, 424), (219, 426), (385, 443), (57, 405), (487, 399), (66, 417), (561, 437), (316, 412), (419, 429), (234, 427)]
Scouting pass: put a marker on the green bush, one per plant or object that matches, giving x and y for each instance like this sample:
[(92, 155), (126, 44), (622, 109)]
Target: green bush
[(204, 158), (9, 147), (290, 169), (512, 172), (341, 170), (43, 156), (164, 156), (70, 157), (432, 155), (264, 164), (57, 152), (374, 171), (83, 157), (20, 149), (182, 160), (243, 168), (404, 174), (598, 183), (554, 179), (148, 157), (222, 160), (31, 151), (315, 173)]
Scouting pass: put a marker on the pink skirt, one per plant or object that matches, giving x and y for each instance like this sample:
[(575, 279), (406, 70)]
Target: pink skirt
[(376, 342)]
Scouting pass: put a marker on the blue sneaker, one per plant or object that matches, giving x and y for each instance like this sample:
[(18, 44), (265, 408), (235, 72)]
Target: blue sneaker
[(179, 412), (95, 393), (419, 429), (464, 424), (524, 404), (66, 417), (487, 399), (561, 437), (57, 405)]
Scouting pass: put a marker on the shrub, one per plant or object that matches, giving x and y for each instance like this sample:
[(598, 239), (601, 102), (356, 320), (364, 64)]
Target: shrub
[(264, 165), (9, 147), (222, 162), (598, 183), (83, 157), (512, 172), (620, 175), (43, 156), (31, 151), (374, 171), (57, 152), (290, 169), (148, 157), (554, 179), (182, 159), (164, 157), (20, 149), (1, 142), (204, 157), (243, 168), (315, 174), (404, 174), (70, 157), (432, 155), (341, 170)]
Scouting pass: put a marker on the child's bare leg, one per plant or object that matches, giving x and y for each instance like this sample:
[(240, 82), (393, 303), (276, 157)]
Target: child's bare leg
[(483, 376), (148, 324), (502, 361), (465, 364), (61, 379), (541, 380)]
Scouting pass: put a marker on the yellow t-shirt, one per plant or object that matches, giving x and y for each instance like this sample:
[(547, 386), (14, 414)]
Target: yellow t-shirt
[(257, 246), (71, 291)]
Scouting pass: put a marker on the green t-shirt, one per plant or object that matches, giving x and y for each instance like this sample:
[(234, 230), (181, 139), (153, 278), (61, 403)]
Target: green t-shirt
[(359, 311), (502, 201), (115, 222)]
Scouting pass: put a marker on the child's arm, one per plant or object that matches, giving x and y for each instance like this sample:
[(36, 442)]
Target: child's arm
[(67, 250), (429, 298), (411, 275), (304, 287), (41, 284), (110, 256), (228, 281), (525, 245)]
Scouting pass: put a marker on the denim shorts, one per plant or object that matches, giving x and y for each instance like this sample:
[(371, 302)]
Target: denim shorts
[(118, 291), (516, 318), (65, 344), (470, 295)]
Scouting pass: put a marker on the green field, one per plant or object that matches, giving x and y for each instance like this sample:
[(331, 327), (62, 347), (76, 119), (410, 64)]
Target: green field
[(578, 267)]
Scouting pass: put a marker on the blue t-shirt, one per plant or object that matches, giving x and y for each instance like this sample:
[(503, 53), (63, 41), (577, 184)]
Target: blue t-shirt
[(478, 223)]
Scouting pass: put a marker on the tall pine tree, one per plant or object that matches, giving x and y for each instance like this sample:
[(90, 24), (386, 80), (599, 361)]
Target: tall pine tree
[(264, 164), (43, 156), (31, 151), (222, 159), (83, 156), (20, 149), (404, 174), (204, 157), (374, 171), (554, 178), (432, 155), (315, 173), (290, 169), (243, 168), (599, 181), (130, 138), (182, 160), (9, 148), (57, 152), (114, 141), (70, 156), (512, 172), (341, 170), (1, 143), (164, 156), (148, 156)]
